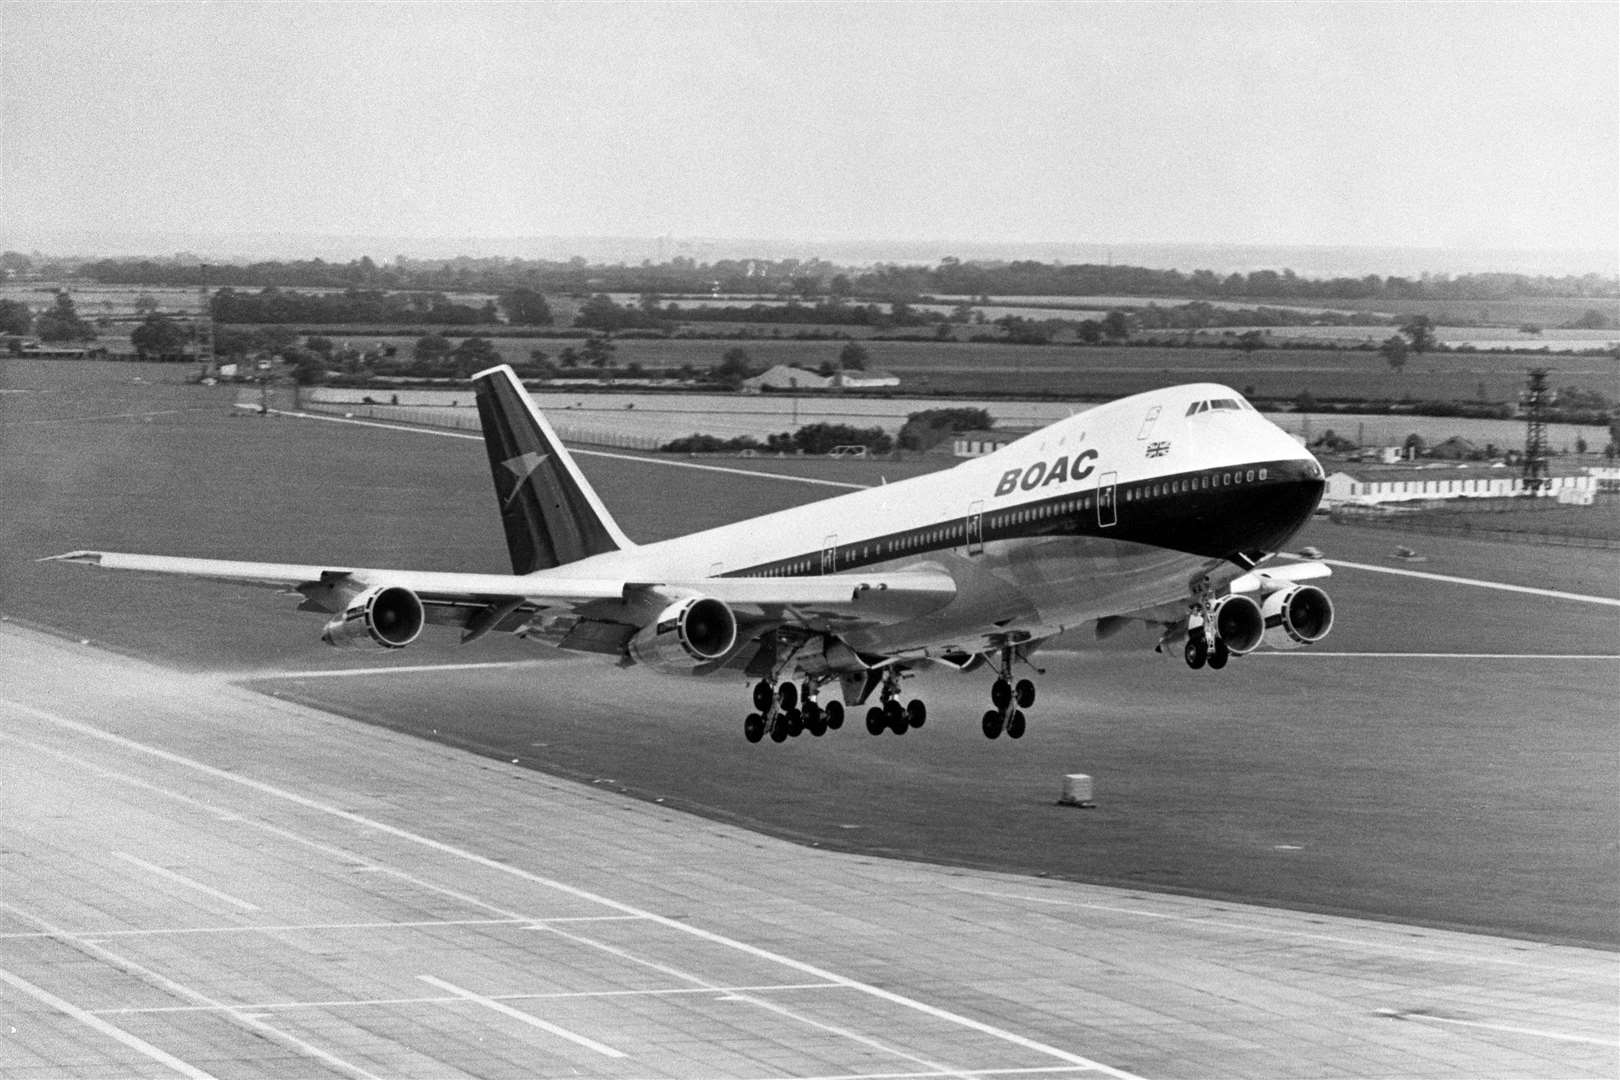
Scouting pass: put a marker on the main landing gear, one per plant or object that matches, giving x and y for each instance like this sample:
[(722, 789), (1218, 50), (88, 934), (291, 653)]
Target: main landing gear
[(889, 714), (787, 711), (1009, 700)]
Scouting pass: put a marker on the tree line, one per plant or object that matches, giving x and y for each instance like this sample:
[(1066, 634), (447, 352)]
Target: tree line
[(810, 279)]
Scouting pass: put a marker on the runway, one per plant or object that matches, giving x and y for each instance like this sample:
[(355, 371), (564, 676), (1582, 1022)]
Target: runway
[(206, 881)]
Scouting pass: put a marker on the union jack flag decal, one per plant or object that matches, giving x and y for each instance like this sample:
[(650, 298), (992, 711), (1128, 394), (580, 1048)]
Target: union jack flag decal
[(1158, 449)]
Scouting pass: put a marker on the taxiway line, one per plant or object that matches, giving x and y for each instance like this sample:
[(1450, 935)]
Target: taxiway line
[(1477, 583), (522, 1017), (180, 879), (496, 866), (573, 450), (112, 1031)]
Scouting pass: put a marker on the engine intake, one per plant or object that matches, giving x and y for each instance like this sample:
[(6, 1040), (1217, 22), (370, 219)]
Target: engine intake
[(687, 634), (1240, 622), (1300, 615), (387, 617)]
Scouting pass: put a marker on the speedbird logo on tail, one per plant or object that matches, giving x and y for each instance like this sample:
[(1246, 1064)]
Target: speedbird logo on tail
[(522, 467)]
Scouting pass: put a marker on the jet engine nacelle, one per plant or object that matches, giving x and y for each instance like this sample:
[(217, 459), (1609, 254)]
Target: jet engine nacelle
[(386, 617), (1298, 615), (1240, 622), (687, 634)]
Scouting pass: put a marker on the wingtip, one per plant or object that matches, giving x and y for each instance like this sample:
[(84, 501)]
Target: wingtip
[(89, 558)]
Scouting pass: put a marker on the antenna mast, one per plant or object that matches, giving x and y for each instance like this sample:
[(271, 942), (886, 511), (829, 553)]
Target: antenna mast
[(1536, 400)]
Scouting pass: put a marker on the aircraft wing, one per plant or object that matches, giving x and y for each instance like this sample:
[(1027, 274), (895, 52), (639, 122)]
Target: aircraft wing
[(457, 598)]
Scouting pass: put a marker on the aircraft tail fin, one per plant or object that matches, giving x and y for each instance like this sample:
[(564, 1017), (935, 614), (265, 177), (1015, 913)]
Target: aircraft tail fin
[(551, 513)]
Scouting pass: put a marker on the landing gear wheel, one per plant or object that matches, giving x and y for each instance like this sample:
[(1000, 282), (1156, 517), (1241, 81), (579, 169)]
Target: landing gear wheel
[(779, 728), (1015, 725), (1024, 694), (1220, 654), (795, 722), (896, 717), (1197, 650), (1000, 693), (835, 715), (875, 721), (916, 713), (788, 695), (754, 727), (992, 723), (814, 723), (762, 696)]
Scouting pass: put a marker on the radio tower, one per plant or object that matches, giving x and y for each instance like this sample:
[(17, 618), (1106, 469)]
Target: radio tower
[(1536, 399)]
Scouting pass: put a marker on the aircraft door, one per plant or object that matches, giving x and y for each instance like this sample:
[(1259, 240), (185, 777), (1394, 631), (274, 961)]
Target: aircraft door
[(1107, 513), (1148, 422), (829, 555), (975, 529)]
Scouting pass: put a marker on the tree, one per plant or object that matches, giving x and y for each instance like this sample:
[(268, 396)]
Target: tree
[(1116, 325), (1419, 329), (15, 318), (62, 322), (1394, 352), (1089, 331), (474, 354), (1251, 340), (317, 344), (597, 351), (734, 367), (146, 304), (431, 349), (157, 337), (853, 356), (526, 307)]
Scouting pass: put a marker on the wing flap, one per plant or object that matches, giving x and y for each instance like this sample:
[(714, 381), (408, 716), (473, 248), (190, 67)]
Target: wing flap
[(875, 598)]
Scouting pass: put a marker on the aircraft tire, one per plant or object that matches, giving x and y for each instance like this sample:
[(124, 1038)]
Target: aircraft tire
[(1015, 724), (788, 695), (763, 696), (779, 729), (1220, 654), (754, 727), (1024, 693), (835, 715), (1197, 651), (916, 713), (795, 722), (1000, 693), (875, 721), (992, 723), (895, 717), (815, 725)]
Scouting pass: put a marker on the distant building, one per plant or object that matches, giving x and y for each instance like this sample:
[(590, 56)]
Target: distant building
[(1367, 486)]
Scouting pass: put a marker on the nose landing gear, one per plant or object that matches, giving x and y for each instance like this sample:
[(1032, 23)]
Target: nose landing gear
[(1009, 700)]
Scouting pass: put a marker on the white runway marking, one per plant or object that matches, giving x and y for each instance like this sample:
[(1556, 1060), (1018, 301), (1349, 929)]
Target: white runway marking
[(105, 416), (1559, 1036), (112, 1031), (402, 669), (496, 866), (523, 1017), (1475, 582), (1440, 655), (181, 879)]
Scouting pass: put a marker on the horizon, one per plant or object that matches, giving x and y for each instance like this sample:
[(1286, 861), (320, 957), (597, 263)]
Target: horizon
[(1306, 260)]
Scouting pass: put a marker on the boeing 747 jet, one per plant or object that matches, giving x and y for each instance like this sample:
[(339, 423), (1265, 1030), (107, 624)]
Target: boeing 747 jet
[(1165, 507)]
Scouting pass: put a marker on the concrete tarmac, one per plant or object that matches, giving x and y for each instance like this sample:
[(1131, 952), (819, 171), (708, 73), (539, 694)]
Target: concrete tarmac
[(206, 881)]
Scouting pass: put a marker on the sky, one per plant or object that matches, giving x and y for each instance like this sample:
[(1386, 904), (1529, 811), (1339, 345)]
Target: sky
[(1427, 125)]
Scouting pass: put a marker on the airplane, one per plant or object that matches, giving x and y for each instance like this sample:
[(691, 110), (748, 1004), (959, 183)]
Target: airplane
[(1165, 507)]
